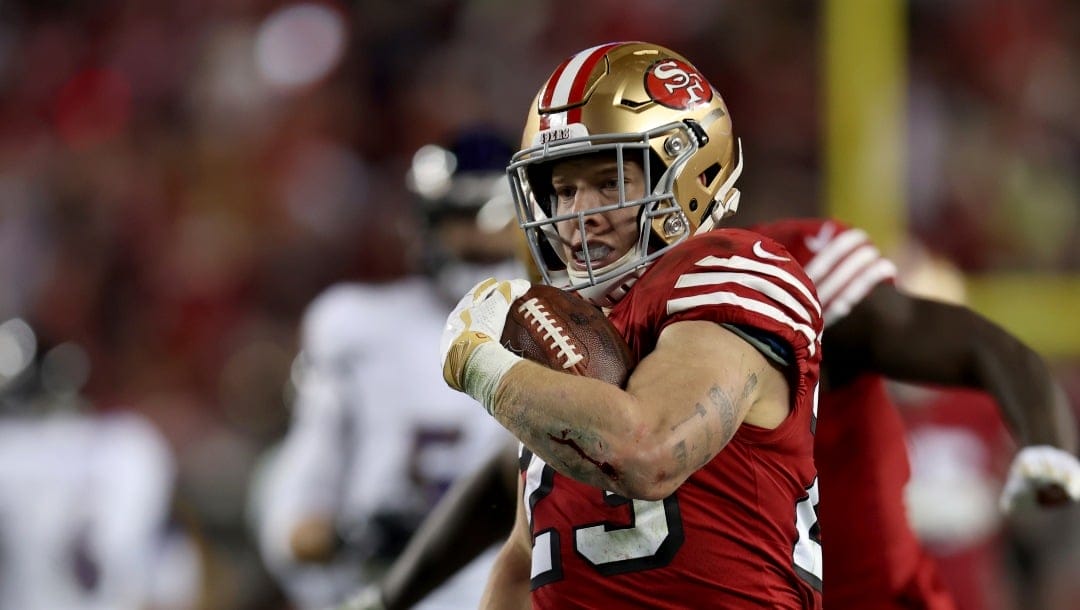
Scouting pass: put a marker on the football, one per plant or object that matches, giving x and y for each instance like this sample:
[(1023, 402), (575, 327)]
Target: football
[(564, 332)]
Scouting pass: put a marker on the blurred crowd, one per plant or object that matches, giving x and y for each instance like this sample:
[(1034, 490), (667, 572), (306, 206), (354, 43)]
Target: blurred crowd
[(179, 179)]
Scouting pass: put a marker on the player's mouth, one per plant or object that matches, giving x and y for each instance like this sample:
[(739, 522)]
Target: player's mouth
[(598, 255)]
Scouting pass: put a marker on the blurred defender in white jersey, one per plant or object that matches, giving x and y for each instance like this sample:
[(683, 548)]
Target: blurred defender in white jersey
[(84, 497), (376, 436)]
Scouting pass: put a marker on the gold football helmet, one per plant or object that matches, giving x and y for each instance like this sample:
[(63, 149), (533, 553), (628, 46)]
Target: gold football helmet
[(627, 98)]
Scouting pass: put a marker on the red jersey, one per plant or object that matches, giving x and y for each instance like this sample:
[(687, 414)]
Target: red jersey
[(873, 558), (741, 532), (960, 449)]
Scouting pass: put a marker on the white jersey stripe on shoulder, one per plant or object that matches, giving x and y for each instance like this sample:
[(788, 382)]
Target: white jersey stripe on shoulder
[(880, 270), (561, 95), (748, 264), (755, 282), (759, 307), (846, 271), (836, 249), (534, 475)]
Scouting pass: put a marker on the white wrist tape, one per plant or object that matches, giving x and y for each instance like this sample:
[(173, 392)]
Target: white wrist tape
[(1040, 465), (485, 369)]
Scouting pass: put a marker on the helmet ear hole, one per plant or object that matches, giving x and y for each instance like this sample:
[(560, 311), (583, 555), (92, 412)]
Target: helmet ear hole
[(710, 174), (657, 167), (693, 205)]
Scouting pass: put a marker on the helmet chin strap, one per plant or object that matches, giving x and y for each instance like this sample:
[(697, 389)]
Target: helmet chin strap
[(724, 209), (609, 292)]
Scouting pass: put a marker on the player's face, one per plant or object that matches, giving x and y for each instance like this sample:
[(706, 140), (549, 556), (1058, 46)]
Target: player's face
[(586, 183)]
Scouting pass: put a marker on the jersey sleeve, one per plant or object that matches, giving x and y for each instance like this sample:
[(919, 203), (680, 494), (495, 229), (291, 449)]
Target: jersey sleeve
[(749, 282), (842, 261)]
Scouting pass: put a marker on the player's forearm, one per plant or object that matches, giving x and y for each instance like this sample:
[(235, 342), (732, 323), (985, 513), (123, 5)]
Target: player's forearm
[(1028, 395), (1026, 392), (946, 344), (641, 443), (577, 425)]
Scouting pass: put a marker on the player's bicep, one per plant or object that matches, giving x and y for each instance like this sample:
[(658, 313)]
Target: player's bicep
[(702, 380)]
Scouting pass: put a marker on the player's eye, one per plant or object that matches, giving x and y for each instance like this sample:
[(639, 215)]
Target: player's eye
[(564, 195), (612, 184)]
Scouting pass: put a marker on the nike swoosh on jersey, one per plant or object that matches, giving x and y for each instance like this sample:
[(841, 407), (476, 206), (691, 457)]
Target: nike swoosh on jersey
[(816, 242), (761, 252), (753, 285)]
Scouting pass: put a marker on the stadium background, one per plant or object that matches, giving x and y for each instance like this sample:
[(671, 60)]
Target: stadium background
[(178, 179)]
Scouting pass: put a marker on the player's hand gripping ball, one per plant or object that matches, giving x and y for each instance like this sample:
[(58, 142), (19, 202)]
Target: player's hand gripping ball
[(564, 332), (472, 361), (533, 321)]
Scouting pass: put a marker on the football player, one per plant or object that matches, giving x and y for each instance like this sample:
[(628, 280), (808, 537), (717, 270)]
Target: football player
[(376, 436), (875, 330), (84, 497), (695, 485)]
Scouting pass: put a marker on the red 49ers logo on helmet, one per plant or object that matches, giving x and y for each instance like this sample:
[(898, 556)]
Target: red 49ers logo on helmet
[(676, 84)]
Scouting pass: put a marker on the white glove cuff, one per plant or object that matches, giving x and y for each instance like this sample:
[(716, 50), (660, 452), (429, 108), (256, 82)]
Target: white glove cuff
[(1039, 465), (485, 369)]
